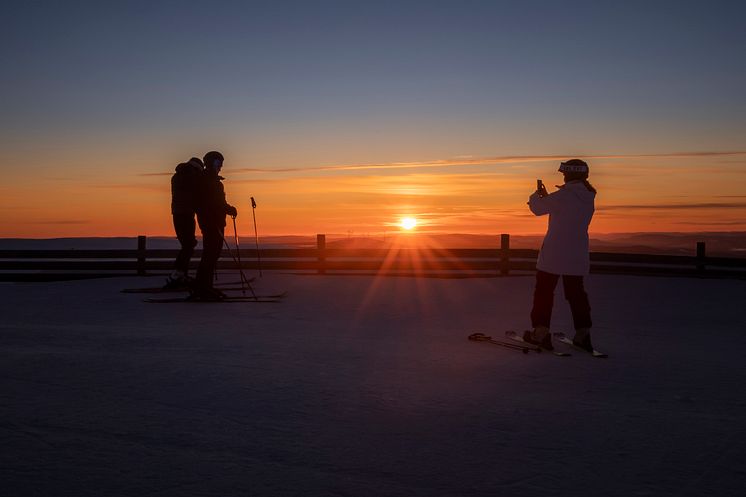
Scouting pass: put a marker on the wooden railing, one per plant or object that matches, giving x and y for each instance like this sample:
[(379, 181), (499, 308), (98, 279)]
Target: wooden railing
[(34, 265)]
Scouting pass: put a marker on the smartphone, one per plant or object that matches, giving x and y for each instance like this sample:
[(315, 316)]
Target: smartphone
[(539, 184)]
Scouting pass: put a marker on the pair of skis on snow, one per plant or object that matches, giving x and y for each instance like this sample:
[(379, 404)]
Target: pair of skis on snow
[(263, 299), (276, 297), (516, 342), (232, 285)]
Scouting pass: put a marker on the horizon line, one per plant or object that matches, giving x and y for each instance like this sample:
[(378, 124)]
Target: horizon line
[(394, 233)]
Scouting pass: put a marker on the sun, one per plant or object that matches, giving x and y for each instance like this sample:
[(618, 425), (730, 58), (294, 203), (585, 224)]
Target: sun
[(408, 223)]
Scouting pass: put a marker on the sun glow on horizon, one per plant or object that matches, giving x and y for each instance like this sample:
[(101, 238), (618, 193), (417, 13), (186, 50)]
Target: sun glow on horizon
[(408, 223)]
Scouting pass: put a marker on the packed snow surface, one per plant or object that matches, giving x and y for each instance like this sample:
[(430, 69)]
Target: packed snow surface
[(367, 386)]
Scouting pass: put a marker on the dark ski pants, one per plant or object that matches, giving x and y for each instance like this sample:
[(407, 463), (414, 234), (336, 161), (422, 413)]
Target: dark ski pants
[(212, 244), (184, 226), (541, 314)]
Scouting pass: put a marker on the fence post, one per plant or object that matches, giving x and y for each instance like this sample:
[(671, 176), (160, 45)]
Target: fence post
[(700, 257), (141, 241), (321, 247), (504, 254)]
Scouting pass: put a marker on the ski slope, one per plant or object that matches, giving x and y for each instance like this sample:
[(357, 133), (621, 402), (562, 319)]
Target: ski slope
[(364, 386)]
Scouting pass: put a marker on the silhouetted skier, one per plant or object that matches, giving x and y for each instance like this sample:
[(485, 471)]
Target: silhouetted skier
[(564, 253), (211, 213), (185, 185)]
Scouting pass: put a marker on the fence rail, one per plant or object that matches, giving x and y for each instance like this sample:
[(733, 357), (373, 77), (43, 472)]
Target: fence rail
[(29, 265)]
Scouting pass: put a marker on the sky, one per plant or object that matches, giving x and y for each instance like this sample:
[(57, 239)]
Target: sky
[(344, 117)]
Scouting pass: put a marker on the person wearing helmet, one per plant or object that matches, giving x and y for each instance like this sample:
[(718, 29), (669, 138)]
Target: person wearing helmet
[(184, 197), (211, 213), (564, 253)]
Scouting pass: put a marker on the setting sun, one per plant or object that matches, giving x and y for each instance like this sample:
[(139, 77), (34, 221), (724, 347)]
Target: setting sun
[(408, 223)]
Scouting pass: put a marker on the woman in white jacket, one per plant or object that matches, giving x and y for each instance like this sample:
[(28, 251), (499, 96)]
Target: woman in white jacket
[(564, 253)]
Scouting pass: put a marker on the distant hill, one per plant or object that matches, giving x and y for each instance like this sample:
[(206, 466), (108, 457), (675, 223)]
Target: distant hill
[(727, 244), (724, 244)]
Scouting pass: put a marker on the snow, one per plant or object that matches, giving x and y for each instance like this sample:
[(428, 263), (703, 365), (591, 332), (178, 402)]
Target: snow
[(365, 386)]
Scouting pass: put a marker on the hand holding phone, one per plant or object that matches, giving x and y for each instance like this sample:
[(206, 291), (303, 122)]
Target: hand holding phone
[(540, 188)]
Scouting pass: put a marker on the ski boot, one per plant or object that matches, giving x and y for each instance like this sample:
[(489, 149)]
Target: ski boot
[(582, 339), (177, 281), (539, 336)]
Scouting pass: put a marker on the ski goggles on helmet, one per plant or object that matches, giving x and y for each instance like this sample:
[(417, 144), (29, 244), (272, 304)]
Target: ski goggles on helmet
[(573, 166)]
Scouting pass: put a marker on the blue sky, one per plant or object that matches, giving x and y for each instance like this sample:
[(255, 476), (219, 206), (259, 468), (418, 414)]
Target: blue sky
[(222, 62)]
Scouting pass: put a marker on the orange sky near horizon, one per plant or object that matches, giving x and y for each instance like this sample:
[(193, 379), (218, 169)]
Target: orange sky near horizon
[(653, 193)]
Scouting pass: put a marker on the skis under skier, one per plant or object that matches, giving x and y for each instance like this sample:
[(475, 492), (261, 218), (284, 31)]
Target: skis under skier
[(564, 253), (184, 194), (211, 212)]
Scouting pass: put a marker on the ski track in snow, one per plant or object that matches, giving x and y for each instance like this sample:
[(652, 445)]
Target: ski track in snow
[(358, 386)]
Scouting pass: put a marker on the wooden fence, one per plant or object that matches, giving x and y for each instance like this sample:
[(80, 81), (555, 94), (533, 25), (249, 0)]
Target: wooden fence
[(36, 265)]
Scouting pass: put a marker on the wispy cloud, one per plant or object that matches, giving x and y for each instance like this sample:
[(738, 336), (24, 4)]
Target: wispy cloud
[(483, 161), (61, 221), (466, 161), (712, 223), (157, 187), (703, 205)]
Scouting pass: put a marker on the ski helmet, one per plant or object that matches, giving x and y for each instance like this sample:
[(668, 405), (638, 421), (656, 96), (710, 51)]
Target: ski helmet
[(212, 159)]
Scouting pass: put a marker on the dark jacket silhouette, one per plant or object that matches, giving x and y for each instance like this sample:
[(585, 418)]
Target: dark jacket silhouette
[(211, 211), (212, 207), (185, 197)]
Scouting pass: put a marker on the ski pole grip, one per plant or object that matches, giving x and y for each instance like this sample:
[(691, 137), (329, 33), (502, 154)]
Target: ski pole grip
[(253, 203)]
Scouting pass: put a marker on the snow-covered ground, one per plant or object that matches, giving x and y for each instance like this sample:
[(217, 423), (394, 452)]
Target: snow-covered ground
[(363, 386)]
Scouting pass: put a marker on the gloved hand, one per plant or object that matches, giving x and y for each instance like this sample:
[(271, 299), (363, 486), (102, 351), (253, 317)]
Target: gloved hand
[(231, 211)]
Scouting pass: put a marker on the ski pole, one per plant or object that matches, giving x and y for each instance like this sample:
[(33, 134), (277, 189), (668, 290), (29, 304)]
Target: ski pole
[(244, 279), (256, 237), (238, 255)]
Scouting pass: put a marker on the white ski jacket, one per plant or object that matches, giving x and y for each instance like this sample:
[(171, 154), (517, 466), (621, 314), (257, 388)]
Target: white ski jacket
[(565, 248)]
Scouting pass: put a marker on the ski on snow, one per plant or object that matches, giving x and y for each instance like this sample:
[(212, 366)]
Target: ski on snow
[(227, 300), (564, 339), (481, 337), (512, 335), (160, 289)]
